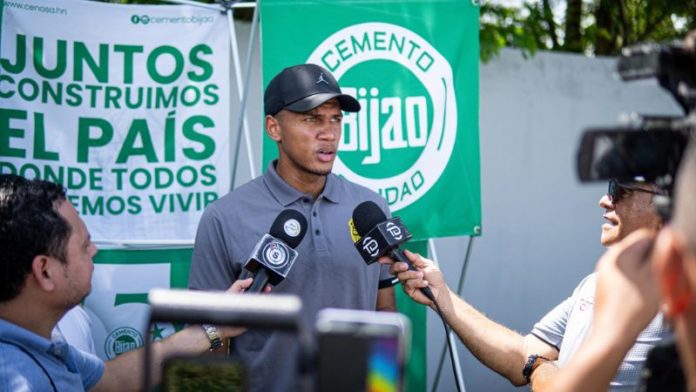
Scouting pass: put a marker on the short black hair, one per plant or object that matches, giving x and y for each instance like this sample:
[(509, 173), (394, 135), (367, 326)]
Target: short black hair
[(30, 225)]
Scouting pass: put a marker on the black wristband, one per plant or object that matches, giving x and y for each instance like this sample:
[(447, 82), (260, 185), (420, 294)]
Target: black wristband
[(531, 365)]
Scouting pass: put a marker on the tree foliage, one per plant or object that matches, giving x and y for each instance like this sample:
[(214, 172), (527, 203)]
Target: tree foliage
[(595, 27)]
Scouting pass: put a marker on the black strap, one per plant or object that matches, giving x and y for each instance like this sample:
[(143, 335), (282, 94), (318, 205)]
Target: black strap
[(33, 358)]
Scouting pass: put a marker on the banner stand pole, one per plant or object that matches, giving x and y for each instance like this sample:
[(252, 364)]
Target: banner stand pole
[(240, 87), (242, 124), (451, 336)]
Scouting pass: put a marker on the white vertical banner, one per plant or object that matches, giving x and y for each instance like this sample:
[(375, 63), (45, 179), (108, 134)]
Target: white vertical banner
[(126, 105)]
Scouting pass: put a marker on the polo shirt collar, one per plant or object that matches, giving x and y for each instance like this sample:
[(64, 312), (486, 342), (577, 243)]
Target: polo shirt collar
[(33, 342), (286, 194)]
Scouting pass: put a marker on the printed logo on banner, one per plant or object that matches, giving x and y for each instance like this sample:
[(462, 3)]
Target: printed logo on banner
[(121, 340), (401, 141), (193, 19)]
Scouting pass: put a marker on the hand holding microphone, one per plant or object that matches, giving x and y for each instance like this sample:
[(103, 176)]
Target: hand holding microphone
[(380, 236), (274, 254)]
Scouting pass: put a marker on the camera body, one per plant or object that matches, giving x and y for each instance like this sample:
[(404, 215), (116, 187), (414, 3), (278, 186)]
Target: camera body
[(646, 148)]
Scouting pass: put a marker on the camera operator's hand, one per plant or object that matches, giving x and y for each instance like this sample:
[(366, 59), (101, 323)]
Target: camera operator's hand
[(627, 296)]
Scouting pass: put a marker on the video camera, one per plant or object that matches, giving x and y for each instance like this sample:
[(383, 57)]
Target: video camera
[(646, 148)]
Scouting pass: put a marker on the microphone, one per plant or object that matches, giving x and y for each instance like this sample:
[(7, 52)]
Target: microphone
[(274, 254), (380, 236)]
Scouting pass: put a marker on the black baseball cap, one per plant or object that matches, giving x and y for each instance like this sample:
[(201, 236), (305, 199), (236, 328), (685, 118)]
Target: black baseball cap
[(303, 87)]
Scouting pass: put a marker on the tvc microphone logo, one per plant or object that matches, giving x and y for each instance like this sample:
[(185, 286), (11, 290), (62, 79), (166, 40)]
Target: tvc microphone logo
[(394, 230), (370, 246)]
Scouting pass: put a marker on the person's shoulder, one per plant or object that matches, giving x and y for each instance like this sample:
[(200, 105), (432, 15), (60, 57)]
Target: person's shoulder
[(237, 197), (352, 188), (587, 283), (90, 367)]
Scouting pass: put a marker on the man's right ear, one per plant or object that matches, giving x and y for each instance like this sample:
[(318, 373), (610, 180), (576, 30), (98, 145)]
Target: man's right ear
[(669, 257), (272, 128), (41, 270)]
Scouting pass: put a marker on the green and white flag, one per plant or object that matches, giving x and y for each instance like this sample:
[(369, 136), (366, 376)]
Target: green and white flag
[(118, 301), (413, 66), (126, 106)]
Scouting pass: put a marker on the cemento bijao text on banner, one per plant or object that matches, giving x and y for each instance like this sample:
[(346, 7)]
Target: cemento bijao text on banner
[(413, 66), (127, 106)]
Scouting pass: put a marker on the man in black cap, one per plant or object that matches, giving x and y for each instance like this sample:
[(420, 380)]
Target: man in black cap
[(303, 106)]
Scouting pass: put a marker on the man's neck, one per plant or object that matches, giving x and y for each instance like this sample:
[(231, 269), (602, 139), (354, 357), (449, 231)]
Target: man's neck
[(302, 181), (24, 313)]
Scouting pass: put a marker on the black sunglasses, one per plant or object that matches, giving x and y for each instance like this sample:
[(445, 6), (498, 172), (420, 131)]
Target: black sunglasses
[(618, 191)]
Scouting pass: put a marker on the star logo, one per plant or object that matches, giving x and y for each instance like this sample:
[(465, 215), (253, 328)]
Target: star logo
[(156, 332)]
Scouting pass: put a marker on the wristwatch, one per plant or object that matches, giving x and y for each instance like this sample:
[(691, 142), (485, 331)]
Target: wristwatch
[(533, 362), (213, 336)]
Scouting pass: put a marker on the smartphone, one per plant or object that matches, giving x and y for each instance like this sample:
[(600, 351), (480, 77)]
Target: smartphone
[(203, 373), (361, 350)]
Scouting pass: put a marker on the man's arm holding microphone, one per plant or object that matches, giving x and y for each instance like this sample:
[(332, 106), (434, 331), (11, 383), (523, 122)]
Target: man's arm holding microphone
[(126, 371), (497, 347)]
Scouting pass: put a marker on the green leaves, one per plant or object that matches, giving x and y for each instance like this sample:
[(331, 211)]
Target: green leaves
[(594, 27)]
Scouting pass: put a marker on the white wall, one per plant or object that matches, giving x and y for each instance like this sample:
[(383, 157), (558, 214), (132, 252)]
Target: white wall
[(541, 226)]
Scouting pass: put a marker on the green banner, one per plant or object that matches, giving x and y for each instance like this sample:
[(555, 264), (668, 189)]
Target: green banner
[(413, 66), (118, 301), (135, 124)]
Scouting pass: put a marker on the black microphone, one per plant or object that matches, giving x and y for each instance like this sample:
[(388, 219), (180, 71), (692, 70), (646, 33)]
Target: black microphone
[(274, 254), (380, 236)]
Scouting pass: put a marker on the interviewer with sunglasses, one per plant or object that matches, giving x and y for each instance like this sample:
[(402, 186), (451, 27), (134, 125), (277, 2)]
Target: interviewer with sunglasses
[(536, 357), (628, 207)]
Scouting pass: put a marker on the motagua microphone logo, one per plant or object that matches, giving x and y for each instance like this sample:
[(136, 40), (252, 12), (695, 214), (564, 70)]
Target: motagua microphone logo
[(276, 253), (401, 141)]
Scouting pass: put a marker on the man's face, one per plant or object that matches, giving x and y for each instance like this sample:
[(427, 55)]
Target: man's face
[(632, 212), (76, 282), (307, 142)]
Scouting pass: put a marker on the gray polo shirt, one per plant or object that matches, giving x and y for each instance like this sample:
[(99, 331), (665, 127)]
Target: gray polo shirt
[(568, 324), (329, 272)]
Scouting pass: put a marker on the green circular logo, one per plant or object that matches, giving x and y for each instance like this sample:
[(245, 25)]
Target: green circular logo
[(400, 142), (121, 340)]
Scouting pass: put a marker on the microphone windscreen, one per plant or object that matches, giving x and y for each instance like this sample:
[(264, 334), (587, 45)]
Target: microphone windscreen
[(290, 227), (366, 216)]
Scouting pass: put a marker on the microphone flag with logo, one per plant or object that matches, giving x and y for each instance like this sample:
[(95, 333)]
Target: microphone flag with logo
[(274, 254), (380, 236)]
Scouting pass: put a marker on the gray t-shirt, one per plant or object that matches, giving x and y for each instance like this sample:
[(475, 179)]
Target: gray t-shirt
[(566, 326), (329, 271)]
